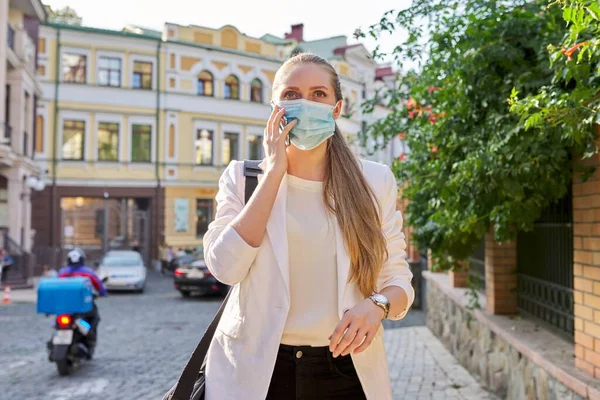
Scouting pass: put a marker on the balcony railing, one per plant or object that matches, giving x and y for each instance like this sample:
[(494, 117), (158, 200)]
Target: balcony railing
[(23, 46), (11, 37), (5, 133)]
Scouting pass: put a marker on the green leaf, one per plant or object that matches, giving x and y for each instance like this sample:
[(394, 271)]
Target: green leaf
[(567, 14), (594, 10)]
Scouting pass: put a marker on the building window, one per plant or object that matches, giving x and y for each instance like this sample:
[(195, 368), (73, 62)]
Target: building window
[(232, 87), (27, 147), (205, 84), (204, 147), (39, 134), (171, 151), (3, 203), (142, 75), (74, 68), (230, 147), (346, 107), (109, 71), (141, 143), (73, 143), (204, 215), (108, 141), (255, 148), (256, 90)]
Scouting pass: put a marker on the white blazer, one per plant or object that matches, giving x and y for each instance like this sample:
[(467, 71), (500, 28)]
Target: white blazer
[(242, 355)]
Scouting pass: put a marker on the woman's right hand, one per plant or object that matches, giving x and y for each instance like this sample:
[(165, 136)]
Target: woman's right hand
[(274, 142)]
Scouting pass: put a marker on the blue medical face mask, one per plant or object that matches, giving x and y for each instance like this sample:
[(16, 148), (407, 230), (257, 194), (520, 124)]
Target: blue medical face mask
[(315, 122)]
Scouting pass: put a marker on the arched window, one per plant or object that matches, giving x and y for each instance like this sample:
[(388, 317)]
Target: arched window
[(205, 84), (346, 107), (232, 87), (256, 91), (39, 134)]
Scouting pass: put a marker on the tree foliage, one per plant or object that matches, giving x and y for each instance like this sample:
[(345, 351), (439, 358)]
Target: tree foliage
[(571, 102), (474, 165), (65, 16)]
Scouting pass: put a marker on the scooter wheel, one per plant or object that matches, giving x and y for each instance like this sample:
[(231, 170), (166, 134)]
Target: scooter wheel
[(64, 367)]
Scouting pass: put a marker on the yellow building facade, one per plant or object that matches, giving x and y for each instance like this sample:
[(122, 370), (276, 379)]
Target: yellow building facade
[(149, 118)]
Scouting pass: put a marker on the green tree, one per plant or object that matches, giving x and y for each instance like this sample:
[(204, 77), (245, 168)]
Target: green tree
[(65, 15), (571, 102), (472, 164)]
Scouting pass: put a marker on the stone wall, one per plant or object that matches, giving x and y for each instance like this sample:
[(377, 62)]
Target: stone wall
[(498, 365)]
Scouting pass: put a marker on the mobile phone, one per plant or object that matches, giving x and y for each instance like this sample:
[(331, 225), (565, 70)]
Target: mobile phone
[(282, 126)]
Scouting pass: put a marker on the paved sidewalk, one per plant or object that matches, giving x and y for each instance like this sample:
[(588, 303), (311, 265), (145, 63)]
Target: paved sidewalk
[(422, 368), (23, 296), (19, 296)]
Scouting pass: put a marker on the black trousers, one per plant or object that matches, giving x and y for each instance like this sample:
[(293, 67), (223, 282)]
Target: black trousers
[(93, 318), (312, 373)]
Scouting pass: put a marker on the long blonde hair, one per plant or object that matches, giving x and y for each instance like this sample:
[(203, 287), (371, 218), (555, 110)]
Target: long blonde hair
[(348, 195)]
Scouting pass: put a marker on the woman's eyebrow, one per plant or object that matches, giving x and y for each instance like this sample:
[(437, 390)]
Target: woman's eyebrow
[(312, 88)]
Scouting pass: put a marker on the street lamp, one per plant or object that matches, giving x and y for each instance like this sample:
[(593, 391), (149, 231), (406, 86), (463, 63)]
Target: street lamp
[(35, 183)]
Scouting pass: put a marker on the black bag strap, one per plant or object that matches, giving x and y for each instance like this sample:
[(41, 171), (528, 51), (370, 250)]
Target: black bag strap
[(188, 377), (251, 172)]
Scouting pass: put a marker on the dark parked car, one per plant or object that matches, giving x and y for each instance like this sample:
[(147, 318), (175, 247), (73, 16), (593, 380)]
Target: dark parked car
[(194, 277), (180, 261)]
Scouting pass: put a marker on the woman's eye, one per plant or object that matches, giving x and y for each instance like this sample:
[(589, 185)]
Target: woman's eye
[(320, 93), (290, 95)]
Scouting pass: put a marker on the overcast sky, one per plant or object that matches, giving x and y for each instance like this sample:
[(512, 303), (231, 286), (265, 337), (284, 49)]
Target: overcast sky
[(321, 18)]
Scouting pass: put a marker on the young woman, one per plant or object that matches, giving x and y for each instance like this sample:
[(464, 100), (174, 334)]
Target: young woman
[(316, 258)]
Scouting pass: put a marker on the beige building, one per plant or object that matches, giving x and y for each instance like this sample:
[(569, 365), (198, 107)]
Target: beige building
[(19, 90)]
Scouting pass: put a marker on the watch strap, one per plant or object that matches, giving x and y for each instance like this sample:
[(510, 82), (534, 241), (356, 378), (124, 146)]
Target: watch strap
[(384, 306)]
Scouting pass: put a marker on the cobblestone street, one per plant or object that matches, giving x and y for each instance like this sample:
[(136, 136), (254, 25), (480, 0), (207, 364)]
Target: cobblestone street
[(145, 340)]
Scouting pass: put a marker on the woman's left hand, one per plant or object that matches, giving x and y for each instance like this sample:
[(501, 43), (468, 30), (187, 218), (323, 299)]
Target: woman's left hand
[(355, 332)]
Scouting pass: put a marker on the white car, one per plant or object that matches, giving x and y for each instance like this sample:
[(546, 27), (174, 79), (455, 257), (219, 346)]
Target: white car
[(124, 270)]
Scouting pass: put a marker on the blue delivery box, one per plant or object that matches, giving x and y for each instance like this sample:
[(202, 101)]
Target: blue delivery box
[(64, 296)]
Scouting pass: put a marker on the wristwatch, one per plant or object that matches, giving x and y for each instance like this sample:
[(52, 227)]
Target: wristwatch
[(381, 301)]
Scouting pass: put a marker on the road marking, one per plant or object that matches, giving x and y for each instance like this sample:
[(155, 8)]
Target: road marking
[(77, 389), (18, 364)]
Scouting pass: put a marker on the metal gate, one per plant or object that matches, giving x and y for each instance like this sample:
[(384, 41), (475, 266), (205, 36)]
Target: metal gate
[(98, 225), (545, 267), (476, 269)]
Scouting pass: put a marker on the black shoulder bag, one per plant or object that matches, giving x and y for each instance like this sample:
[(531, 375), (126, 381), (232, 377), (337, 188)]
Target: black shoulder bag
[(191, 383)]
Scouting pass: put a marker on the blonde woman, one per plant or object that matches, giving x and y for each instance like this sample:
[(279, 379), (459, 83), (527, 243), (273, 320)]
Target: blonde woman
[(316, 258)]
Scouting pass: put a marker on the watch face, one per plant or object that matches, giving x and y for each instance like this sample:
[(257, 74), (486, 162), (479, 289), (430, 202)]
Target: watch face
[(380, 298)]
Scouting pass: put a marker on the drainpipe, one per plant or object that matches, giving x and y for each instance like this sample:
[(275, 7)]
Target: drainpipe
[(157, 153), (53, 207)]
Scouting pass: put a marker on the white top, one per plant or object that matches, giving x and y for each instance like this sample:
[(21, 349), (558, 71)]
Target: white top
[(312, 261)]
